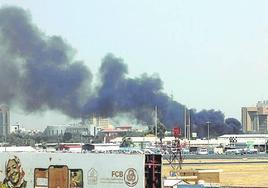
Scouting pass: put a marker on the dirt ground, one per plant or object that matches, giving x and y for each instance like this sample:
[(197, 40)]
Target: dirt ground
[(240, 175)]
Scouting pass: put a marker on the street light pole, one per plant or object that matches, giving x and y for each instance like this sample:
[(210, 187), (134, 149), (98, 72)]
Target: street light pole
[(208, 132)]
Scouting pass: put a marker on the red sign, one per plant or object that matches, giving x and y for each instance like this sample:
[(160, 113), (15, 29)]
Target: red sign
[(176, 132)]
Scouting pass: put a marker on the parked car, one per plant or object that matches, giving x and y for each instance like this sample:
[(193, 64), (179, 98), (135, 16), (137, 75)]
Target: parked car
[(202, 151), (234, 152), (250, 151)]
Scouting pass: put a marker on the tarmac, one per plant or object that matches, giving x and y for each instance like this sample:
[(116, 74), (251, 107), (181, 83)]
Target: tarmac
[(236, 172)]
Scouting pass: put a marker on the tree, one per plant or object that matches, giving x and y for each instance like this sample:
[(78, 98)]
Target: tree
[(161, 129), (67, 136), (126, 142)]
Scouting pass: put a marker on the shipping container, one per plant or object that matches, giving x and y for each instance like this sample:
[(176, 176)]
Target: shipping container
[(79, 170)]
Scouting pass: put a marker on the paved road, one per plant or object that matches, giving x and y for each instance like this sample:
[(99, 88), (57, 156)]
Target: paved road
[(220, 159), (222, 156)]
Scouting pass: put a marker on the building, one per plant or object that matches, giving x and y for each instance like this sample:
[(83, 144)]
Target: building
[(111, 133), (96, 123), (100, 122), (59, 130), (55, 130), (257, 141), (254, 119), (78, 129), (4, 120), (17, 128)]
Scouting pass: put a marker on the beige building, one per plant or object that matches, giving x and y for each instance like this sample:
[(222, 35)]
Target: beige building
[(102, 123), (96, 124), (254, 119)]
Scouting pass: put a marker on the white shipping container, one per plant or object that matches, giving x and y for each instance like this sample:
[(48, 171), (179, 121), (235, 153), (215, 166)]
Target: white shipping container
[(74, 170)]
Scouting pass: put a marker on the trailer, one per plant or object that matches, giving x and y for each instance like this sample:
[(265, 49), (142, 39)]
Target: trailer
[(79, 170)]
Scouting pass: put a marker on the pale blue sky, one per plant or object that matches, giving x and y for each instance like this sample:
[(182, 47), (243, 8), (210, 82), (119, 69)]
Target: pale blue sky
[(209, 54)]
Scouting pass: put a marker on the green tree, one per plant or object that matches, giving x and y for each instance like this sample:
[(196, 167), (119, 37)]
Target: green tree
[(126, 142), (67, 137), (161, 129)]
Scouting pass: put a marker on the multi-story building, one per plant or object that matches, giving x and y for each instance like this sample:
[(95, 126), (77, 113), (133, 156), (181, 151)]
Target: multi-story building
[(100, 122), (254, 119), (96, 124), (4, 120)]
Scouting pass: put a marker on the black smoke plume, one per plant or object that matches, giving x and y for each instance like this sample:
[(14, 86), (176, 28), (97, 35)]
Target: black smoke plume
[(214, 122), (118, 94), (39, 72)]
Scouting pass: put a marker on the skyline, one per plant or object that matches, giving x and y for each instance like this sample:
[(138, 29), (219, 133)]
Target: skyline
[(206, 59)]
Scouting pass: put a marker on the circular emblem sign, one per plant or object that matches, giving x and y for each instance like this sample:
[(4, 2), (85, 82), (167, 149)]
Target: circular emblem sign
[(131, 177)]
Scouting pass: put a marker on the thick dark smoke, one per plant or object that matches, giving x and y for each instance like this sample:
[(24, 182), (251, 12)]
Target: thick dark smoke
[(39, 72), (118, 94), (214, 120)]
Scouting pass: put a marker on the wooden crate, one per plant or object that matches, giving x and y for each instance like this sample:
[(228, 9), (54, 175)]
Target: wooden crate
[(209, 176)]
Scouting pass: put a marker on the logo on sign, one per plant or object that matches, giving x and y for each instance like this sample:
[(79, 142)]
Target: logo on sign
[(117, 174), (92, 177), (131, 177)]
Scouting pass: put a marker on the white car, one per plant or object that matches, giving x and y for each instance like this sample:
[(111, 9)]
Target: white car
[(202, 151), (234, 152)]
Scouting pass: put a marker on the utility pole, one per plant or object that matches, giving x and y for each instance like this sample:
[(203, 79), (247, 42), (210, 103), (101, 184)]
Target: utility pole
[(155, 121), (185, 122), (208, 132), (189, 125)]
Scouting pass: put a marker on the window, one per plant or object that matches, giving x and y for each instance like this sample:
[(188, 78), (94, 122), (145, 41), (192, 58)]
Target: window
[(76, 178), (40, 177), (58, 176)]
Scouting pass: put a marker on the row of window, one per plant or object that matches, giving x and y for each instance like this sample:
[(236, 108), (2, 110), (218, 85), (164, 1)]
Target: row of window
[(61, 132), (58, 175)]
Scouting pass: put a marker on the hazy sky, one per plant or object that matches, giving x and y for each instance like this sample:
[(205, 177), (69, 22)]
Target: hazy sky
[(209, 54)]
